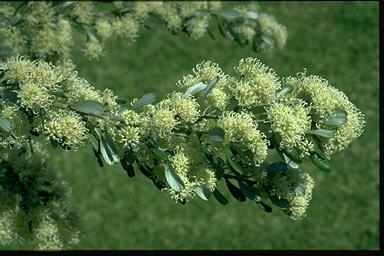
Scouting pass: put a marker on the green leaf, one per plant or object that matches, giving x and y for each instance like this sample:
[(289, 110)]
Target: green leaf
[(252, 15), (228, 14), (121, 101), (5, 125), (194, 89), (225, 31), (250, 192), (320, 162), (283, 91), (288, 159), (89, 107), (107, 149), (219, 197), (203, 192), (14, 20), (282, 203), (232, 164), (173, 179), (235, 191), (127, 163), (299, 190), (276, 167), (111, 144), (264, 206), (161, 155), (210, 86), (323, 133), (267, 39), (337, 118), (216, 134), (144, 100), (98, 157)]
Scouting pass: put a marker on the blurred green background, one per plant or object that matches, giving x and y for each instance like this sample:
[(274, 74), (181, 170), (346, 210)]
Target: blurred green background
[(336, 40)]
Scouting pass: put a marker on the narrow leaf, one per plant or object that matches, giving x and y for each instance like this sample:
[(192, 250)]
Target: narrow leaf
[(337, 118), (161, 155), (121, 101), (128, 168), (107, 149), (299, 190), (219, 197), (228, 14), (276, 167), (5, 125), (235, 191), (235, 167), (98, 157), (252, 15), (111, 144), (283, 91), (210, 86), (194, 89), (267, 39), (264, 206), (88, 107), (282, 203), (289, 161), (173, 179), (216, 134), (320, 162), (203, 192), (323, 133), (145, 100), (250, 192), (127, 163)]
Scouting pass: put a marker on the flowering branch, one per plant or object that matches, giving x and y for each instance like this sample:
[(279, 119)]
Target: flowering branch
[(45, 30), (216, 127)]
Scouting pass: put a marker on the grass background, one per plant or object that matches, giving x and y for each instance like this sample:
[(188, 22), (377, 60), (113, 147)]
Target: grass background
[(336, 40)]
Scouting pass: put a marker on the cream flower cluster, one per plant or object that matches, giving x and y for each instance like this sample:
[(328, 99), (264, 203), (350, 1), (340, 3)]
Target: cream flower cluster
[(242, 129), (324, 100), (35, 204), (45, 30), (296, 187)]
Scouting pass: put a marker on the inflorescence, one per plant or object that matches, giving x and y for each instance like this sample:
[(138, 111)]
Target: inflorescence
[(218, 127), (47, 30)]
